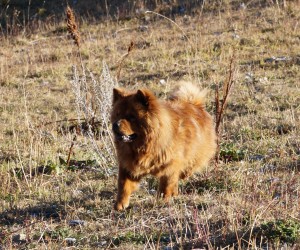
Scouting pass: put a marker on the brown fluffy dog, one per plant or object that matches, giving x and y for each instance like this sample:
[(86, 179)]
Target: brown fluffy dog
[(168, 139)]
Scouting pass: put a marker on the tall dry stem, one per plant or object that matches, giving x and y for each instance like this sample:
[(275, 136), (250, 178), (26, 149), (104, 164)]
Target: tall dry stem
[(72, 26), (121, 61), (221, 102)]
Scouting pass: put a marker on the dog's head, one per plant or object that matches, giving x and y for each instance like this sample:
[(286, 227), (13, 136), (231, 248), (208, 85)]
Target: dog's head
[(130, 114)]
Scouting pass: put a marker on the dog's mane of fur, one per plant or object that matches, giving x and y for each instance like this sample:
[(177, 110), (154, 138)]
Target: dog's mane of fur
[(163, 127)]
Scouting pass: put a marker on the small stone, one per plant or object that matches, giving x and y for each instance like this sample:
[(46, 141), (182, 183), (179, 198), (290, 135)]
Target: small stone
[(143, 28), (243, 6), (263, 80), (186, 19), (235, 36), (162, 81), (274, 180), (284, 129), (152, 191), (268, 168), (103, 243), (19, 238), (256, 157), (249, 77), (70, 241), (76, 222)]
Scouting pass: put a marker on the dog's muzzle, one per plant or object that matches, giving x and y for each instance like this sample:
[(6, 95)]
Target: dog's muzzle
[(119, 135)]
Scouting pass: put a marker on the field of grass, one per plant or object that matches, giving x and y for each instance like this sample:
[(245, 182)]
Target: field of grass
[(250, 200)]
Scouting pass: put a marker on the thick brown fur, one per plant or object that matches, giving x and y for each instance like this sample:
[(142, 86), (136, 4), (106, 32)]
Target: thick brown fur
[(170, 139)]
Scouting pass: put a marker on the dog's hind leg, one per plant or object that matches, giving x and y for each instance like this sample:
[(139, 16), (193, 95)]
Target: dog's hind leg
[(168, 186)]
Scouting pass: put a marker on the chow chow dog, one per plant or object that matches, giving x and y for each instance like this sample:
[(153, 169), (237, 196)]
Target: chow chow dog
[(169, 139)]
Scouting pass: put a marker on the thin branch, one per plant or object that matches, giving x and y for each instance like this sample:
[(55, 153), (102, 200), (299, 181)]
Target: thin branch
[(153, 12), (120, 64), (71, 149), (221, 103)]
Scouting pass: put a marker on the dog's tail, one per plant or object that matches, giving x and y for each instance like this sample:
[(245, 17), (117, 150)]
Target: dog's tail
[(189, 92)]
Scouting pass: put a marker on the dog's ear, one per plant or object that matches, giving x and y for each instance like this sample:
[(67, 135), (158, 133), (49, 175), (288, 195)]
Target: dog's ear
[(117, 94), (145, 97)]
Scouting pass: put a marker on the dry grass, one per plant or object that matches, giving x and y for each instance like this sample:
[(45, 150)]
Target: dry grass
[(258, 177)]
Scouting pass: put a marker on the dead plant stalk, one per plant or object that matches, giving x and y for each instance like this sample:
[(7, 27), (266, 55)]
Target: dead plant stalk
[(222, 102), (72, 26), (71, 150), (121, 61)]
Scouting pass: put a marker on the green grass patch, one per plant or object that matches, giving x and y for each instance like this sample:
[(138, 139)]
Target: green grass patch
[(230, 152), (283, 231)]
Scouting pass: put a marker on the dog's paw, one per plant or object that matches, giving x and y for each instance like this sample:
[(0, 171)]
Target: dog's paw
[(121, 205)]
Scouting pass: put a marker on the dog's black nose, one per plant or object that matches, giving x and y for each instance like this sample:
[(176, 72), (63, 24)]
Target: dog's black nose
[(116, 126)]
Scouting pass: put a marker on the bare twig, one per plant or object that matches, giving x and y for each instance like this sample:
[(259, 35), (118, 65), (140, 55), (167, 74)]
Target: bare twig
[(121, 61), (60, 121), (221, 103), (184, 34), (71, 149)]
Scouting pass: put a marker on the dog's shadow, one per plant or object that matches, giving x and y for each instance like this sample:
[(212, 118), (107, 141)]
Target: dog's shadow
[(54, 211), (51, 210)]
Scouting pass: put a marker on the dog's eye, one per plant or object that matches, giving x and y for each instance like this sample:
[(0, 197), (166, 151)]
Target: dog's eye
[(130, 117)]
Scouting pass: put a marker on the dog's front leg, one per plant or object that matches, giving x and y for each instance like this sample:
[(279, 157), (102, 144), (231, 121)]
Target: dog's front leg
[(126, 185)]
